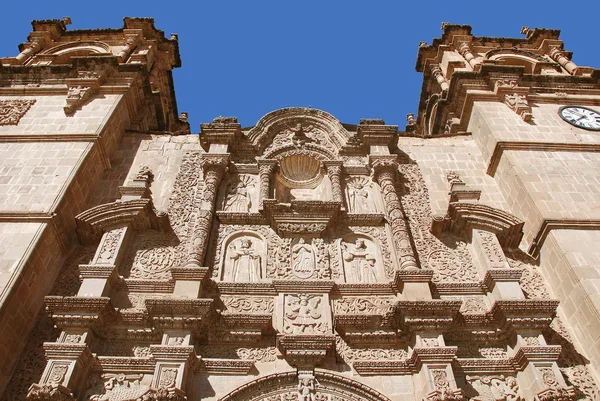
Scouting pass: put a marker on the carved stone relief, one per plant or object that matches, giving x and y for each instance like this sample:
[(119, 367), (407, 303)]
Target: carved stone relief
[(303, 259), (305, 314), (227, 234), (248, 304), (360, 195), (454, 263), (151, 256), (493, 388), (107, 251), (265, 351), (240, 194), (531, 281), (365, 305), (244, 258), (11, 111), (362, 259), (115, 387), (349, 354)]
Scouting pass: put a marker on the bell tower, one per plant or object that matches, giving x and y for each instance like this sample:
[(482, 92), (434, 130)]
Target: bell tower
[(535, 117)]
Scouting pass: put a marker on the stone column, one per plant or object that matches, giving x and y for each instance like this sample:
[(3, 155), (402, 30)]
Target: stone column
[(334, 171), (174, 358), (561, 59), (132, 40), (385, 169), (502, 280), (465, 51), (266, 168), (214, 166), (437, 73), (34, 47), (102, 271)]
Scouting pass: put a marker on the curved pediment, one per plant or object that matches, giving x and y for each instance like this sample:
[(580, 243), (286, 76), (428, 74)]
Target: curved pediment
[(298, 126)]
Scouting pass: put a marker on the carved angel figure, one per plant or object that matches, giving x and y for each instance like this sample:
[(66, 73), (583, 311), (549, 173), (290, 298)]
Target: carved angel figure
[(245, 262), (361, 263), (306, 389), (303, 313), (303, 259)]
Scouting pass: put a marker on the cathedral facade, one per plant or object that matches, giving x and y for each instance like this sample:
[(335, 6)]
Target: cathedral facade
[(455, 258)]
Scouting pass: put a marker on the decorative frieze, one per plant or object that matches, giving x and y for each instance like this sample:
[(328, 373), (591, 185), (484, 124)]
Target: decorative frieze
[(11, 111)]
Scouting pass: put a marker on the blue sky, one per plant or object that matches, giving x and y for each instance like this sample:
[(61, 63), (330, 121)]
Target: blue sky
[(354, 59)]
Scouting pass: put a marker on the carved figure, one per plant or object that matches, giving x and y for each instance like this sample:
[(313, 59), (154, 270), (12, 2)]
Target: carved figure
[(303, 313), (361, 263), (359, 198), (245, 263), (306, 389), (303, 259), (237, 198)]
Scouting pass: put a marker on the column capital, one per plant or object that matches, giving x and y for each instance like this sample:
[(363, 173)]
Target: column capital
[(214, 161), (383, 163)]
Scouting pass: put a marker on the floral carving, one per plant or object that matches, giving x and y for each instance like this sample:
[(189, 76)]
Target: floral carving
[(350, 354), (153, 254), (108, 248), (248, 304), (453, 265), (370, 305), (11, 111)]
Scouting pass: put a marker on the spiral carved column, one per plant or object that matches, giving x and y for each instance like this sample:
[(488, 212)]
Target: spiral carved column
[(385, 173), (214, 167), (334, 171), (266, 168)]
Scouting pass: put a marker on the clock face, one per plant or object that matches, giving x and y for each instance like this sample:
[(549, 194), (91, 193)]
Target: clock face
[(581, 117)]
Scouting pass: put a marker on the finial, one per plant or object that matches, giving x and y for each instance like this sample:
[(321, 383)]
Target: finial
[(67, 20), (174, 36), (525, 30), (410, 117), (422, 44), (183, 116), (444, 25)]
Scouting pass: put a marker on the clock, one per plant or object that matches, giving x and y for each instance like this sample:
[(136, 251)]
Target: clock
[(581, 117)]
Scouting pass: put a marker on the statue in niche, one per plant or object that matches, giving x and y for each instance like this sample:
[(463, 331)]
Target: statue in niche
[(238, 198), (244, 261), (359, 197), (360, 261), (303, 261), (303, 314)]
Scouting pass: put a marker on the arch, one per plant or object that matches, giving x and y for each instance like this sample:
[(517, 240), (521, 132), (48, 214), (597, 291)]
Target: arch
[(318, 152), (516, 57), (140, 213), (276, 121), (284, 384), (464, 216), (85, 46)]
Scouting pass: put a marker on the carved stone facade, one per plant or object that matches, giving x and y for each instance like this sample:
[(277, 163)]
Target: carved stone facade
[(302, 258)]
